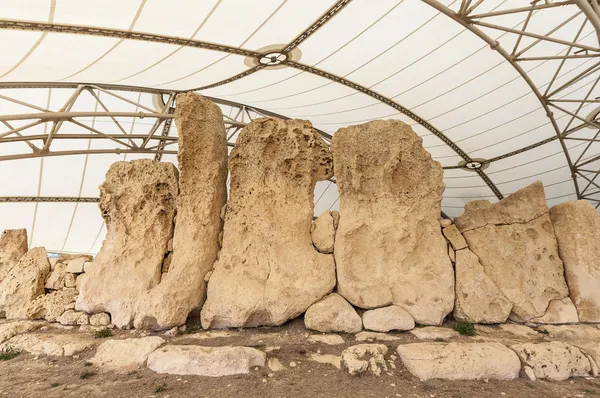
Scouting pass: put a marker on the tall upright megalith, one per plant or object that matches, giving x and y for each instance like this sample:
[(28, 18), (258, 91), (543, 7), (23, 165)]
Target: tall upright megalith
[(577, 227), (13, 246), (202, 194), (268, 270), (137, 201), (388, 246)]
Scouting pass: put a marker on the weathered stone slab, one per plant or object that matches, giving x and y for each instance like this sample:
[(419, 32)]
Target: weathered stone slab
[(333, 314), (388, 246), (56, 280), (478, 299), (51, 306), (50, 344), (322, 232), (75, 266), (460, 361), (363, 358), (23, 283), (518, 251), (202, 193), (10, 329), (375, 336), (125, 355), (454, 237), (388, 318), (13, 245), (577, 228), (330, 339), (559, 311), (268, 270), (100, 319), (138, 204), (573, 332), (205, 361), (434, 333), (553, 360)]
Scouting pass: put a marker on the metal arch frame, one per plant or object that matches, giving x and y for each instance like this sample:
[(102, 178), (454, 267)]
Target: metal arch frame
[(470, 21)]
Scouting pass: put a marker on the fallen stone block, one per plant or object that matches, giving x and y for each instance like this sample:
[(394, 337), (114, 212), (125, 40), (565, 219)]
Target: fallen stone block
[(388, 318), (460, 361), (205, 361), (553, 360), (50, 344), (333, 314), (125, 355), (363, 358)]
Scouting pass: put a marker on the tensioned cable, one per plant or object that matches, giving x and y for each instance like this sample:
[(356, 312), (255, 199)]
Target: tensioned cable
[(37, 43), (117, 44)]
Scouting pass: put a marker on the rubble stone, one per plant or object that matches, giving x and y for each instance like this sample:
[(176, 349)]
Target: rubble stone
[(125, 355), (73, 318), (56, 280), (333, 314), (388, 318), (51, 306), (322, 232), (553, 360), (363, 358), (100, 319)]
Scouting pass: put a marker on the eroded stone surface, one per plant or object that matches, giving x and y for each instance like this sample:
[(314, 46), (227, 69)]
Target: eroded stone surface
[(268, 270), (478, 299), (388, 246), (553, 360), (202, 185), (333, 314), (434, 333), (559, 311), (137, 201), (460, 361), (56, 280), (454, 237), (516, 246), (577, 228), (376, 336), (322, 232), (330, 339), (101, 319), (23, 283), (205, 361), (51, 306), (10, 329), (125, 355), (388, 318), (13, 245), (363, 358), (50, 344), (73, 318)]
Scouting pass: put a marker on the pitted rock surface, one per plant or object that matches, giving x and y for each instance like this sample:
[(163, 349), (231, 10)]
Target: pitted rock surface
[(137, 201), (51, 306), (13, 245), (202, 193), (553, 360), (577, 228), (389, 248), (363, 358), (333, 314), (50, 344), (268, 270), (559, 312), (125, 355)]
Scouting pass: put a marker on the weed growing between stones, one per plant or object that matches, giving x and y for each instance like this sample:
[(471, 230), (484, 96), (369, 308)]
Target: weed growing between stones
[(103, 333), (86, 375), (544, 331), (87, 363), (161, 388), (8, 353), (465, 328), (54, 385)]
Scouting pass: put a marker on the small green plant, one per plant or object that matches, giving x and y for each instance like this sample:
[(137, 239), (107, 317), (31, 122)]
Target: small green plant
[(86, 375), (87, 363), (465, 328), (160, 388), (8, 353), (53, 385), (103, 333), (544, 331)]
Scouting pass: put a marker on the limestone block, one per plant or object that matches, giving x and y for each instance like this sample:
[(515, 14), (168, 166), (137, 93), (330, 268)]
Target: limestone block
[(51, 306), (553, 360), (573, 332), (56, 280), (434, 333), (516, 246), (125, 355), (137, 201), (454, 237), (445, 223), (10, 329), (333, 314), (205, 361), (87, 266), (101, 319), (478, 299), (203, 191), (322, 232), (389, 248), (460, 361), (70, 281), (73, 318), (13, 245), (50, 344), (330, 339), (577, 228), (268, 270), (591, 349), (363, 358), (76, 265), (23, 283), (559, 311), (388, 318)]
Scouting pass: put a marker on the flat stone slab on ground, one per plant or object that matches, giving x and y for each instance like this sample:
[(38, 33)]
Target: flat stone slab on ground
[(553, 360), (10, 329), (50, 344), (376, 336), (434, 333), (205, 361), (572, 332), (460, 361), (125, 355), (331, 339)]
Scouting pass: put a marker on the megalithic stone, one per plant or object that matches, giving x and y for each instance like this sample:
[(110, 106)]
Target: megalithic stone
[(388, 246), (268, 270), (137, 201), (202, 193), (13, 245)]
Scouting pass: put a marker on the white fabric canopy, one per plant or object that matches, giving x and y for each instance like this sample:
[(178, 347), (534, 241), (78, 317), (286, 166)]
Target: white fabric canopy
[(505, 87)]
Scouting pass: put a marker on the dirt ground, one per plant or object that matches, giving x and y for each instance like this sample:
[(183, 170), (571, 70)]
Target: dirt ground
[(29, 376)]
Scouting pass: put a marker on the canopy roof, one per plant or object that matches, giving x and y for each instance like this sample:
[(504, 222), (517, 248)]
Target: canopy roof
[(503, 93)]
